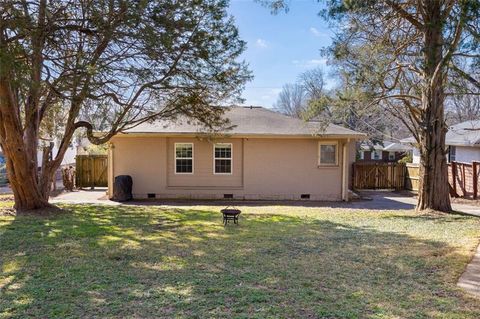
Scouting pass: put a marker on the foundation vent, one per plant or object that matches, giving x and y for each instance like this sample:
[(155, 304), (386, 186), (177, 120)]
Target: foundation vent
[(305, 196), (151, 195), (228, 196)]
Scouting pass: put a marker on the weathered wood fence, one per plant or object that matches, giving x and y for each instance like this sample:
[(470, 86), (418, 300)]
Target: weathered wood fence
[(91, 171), (378, 175), (464, 178)]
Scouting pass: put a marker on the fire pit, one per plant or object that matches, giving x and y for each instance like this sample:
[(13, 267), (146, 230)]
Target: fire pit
[(230, 214)]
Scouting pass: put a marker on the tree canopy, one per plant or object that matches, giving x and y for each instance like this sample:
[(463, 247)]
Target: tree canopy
[(105, 66)]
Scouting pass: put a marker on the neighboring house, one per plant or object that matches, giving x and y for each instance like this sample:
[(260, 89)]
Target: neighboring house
[(382, 152), (462, 141), (266, 155), (76, 147)]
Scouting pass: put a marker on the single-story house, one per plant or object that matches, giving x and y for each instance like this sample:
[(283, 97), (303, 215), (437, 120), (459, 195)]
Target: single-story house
[(462, 141), (265, 155), (384, 151)]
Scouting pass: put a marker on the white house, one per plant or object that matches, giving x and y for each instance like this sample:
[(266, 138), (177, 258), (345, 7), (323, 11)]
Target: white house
[(462, 140), (76, 147)]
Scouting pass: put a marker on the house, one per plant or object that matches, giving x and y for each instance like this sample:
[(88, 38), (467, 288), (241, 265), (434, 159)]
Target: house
[(462, 141), (266, 155), (76, 147), (385, 151)]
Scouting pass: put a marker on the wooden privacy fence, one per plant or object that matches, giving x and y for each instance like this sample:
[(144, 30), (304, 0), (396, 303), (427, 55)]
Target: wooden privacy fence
[(379, 175), (464, 178), (91, 171)]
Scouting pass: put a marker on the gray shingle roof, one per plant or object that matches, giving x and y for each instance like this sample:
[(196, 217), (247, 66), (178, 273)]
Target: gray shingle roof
[(387, 146), (250, 121), (462, 134)]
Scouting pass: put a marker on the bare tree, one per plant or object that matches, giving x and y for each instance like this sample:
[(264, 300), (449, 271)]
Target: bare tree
[(462, 105), (313, 82), (295, 99), (292, 100), (107, 65)]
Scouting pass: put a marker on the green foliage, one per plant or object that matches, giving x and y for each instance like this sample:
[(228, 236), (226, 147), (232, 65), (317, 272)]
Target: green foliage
[(93, 149), (408, 158), (118, 63), (280, 262)]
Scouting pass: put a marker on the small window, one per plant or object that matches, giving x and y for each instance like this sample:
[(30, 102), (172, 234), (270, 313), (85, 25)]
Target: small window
[(391, 156), (328, 154), (452, 153), (362, 155), (222, 158), (376, 155), (183, 158)]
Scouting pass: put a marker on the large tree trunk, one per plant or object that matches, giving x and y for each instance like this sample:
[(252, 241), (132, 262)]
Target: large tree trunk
[(24, 182), (433, 189), (19, 147)]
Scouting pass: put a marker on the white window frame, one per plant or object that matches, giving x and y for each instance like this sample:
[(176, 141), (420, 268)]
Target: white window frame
[(362, 155), (222, 158), (175, 158), (372, 155), (320, 144)]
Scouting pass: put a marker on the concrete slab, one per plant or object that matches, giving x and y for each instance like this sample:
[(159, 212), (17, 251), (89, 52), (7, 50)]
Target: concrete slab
[(96, 196), (470, 279)]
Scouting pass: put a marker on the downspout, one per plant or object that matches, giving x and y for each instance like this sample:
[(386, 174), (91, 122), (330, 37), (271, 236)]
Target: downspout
[(345, 171), (110, 169)]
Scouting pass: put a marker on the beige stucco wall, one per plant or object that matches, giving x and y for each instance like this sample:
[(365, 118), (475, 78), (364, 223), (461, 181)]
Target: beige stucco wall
[(263, 168)]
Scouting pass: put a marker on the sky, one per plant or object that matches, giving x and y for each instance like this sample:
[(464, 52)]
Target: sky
[(279, 47)]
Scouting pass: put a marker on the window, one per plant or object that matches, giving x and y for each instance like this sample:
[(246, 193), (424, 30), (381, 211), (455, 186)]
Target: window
[(452, 153), (362, 155), (376, 155), (222, 158), (391, 156), (327, 153), (183, 158)]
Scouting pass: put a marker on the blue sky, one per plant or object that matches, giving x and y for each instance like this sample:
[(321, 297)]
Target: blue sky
[(279, 47)]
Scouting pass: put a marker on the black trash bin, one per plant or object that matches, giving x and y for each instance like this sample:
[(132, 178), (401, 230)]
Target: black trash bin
[(122, 188)]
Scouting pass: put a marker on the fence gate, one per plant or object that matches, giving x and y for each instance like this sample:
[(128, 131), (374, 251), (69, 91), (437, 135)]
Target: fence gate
[(378, 175), (91, 171)]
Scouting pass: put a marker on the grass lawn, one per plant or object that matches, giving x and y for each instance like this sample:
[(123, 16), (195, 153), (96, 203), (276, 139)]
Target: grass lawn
[(280, 262)]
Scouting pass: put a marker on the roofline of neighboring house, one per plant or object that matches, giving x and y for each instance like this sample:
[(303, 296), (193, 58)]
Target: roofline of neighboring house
[(463, 145), (359, 136), (415, 144)]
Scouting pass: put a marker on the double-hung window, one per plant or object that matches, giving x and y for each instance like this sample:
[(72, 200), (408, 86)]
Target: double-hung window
[(328, 154), (222, 158), (183, 158)]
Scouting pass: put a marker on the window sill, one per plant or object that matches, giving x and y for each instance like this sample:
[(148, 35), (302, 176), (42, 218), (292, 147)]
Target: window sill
[(327, 166)]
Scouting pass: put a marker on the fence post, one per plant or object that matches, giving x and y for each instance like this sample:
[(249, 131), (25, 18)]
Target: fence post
[(454, 177), (475, 179)]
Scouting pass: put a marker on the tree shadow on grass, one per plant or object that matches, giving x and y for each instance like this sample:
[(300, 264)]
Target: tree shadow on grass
[(103, 261)]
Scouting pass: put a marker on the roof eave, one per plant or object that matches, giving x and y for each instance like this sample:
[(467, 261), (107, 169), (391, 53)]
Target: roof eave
[(357, 136)]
